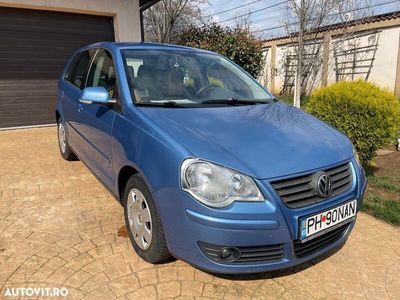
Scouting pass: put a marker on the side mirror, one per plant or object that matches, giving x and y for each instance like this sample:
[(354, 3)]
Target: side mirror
[(97, 95)]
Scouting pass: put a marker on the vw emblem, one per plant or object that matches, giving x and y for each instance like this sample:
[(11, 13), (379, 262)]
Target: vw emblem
[(324, 185)]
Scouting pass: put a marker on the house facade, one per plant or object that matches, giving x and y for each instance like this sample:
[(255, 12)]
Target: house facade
[(367, 49), (37, 38)]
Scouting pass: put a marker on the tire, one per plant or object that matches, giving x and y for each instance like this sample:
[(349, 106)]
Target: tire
[(143, 222), (65, 149)]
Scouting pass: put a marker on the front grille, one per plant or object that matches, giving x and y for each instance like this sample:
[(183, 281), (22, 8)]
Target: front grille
[(247, 255), (309, 247), (298, 192)]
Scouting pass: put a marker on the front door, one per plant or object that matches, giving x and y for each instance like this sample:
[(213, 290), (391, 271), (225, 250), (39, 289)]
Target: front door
[(96, 120)]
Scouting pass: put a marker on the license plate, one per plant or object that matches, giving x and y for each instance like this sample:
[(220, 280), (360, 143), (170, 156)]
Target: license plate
[(320, 223)]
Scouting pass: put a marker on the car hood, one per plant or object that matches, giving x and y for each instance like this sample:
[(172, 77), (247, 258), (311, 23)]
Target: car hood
[(263, 141)]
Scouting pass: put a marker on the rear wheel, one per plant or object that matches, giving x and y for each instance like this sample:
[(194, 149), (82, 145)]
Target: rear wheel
[(65, 149), (143, 222)]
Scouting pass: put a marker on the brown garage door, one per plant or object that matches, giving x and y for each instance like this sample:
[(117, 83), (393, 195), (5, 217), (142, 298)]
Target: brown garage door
[(34, 48)]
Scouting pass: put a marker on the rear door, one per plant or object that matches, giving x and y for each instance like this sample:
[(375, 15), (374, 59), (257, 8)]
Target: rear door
[(69, 91)]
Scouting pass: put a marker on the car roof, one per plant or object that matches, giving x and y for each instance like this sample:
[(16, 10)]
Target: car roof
[(146, 46)]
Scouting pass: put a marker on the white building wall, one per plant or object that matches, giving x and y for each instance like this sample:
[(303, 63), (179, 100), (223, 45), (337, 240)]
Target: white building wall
[(383, 72), (125, 12), (385, 65), (265, 76), (280, 74)]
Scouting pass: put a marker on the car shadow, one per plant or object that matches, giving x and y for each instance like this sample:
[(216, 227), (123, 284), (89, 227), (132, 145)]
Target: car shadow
[(370, 169)]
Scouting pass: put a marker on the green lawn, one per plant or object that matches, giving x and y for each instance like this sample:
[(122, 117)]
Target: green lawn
[(289, 100), (383, 208), (385, 183), (383, 198)]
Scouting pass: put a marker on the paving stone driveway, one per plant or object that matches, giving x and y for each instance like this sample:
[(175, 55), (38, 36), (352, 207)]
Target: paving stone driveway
[(60, 228)]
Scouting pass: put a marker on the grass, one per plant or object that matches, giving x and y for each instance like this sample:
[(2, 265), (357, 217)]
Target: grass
[(382, 200), (383, 208), (385, 183), (289, 100)]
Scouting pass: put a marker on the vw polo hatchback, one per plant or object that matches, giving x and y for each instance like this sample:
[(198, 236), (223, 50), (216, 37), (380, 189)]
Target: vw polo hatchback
[(209, 167)]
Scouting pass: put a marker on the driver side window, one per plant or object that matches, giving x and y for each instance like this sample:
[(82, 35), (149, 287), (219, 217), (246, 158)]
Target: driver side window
[(102, 73), (214, 78), (220, 76)]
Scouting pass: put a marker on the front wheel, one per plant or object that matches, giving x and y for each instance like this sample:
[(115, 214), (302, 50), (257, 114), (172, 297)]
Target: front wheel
[(143, 222), (65, 149)]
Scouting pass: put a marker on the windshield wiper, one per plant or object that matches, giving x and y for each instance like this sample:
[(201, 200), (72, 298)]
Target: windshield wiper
[(234, 101), (159, 104)]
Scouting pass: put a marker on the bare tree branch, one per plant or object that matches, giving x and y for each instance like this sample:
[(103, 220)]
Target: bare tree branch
[(164, 21)]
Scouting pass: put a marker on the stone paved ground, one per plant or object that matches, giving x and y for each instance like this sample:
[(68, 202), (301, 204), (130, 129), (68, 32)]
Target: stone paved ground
[(60, 228)]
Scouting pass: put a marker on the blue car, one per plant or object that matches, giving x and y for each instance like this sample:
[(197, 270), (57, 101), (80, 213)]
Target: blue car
[(209, 167)]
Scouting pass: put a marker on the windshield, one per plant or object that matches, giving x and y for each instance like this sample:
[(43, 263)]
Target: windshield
[(188, 78)]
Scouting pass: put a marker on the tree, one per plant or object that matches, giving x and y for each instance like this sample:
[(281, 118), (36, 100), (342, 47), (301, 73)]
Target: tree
[(164, 21), (238, 44), (304, 20)]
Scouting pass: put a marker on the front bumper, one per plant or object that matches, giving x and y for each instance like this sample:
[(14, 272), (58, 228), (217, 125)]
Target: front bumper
[(189, 224)]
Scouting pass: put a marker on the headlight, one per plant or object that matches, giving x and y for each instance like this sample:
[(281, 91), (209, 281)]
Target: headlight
[(217, 186), (355, 154)]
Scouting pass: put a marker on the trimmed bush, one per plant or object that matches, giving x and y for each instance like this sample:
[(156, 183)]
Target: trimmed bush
[(368, 115)]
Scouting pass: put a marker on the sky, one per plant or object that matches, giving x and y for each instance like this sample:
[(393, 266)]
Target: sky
[(264, 22)]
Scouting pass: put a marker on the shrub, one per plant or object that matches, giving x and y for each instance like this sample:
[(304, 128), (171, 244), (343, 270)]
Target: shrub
[(368, 115), (237, 44)]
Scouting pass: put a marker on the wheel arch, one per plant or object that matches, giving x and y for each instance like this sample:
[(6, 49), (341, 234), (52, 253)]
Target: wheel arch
[(57, 115), (124, 174)]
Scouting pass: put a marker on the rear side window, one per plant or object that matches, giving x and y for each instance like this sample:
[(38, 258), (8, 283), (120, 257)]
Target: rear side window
[(76, 73)]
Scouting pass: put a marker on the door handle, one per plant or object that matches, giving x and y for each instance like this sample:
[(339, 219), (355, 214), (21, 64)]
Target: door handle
[(80, 107), (62, 94)]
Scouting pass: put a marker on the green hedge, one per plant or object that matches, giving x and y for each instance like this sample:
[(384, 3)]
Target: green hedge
[(368, 115), (237, 44)]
